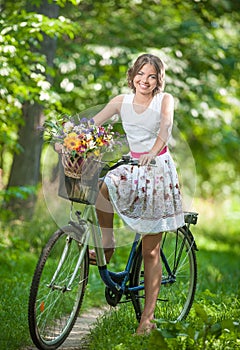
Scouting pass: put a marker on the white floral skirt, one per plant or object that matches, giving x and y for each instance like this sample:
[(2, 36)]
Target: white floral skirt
[(147, 198)]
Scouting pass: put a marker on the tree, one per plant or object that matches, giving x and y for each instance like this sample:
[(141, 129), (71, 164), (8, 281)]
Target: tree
[(29, 140), (198, 41), (34, 80)]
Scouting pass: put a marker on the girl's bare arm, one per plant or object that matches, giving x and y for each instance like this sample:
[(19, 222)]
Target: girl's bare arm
[(112, 108), (166, 123)]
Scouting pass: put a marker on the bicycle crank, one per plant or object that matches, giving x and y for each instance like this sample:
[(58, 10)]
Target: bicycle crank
[(112, 298)]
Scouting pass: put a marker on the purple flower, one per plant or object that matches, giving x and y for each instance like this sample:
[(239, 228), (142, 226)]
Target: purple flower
[(84, 120)]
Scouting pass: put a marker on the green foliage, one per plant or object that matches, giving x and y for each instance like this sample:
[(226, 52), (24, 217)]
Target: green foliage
[(204, 333), (16, 278), (213, 322), (24, 71), (14, 193), (19, 192), (115, 329), (198, 40)]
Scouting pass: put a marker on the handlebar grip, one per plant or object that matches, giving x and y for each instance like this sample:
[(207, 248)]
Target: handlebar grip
[(128, 160)]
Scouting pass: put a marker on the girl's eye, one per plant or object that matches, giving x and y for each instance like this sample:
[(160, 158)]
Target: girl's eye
[(153, 76)]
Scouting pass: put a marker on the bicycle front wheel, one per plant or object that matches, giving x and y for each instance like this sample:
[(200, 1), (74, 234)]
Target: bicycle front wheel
[(57, 289), (179, 277)]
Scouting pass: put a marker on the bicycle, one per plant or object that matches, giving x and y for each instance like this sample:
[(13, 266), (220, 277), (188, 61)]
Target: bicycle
[(61, 276)]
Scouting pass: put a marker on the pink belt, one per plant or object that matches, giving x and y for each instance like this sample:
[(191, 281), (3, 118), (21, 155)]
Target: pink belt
[(138, 154)]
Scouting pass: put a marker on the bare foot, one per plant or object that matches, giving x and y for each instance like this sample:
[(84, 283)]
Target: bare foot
[(108, 254), (145, 327)]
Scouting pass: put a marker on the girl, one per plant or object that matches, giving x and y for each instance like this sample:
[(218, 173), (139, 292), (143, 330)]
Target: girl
[(147, 198)]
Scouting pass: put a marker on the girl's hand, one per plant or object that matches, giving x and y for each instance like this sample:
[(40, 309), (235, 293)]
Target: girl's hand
[(146, 159), (58, 147)]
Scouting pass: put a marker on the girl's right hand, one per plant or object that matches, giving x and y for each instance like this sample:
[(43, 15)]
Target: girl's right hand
[(146, 159)]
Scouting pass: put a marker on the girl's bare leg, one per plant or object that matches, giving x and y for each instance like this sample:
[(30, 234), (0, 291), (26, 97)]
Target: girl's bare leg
[(105, 217), (152, 279)]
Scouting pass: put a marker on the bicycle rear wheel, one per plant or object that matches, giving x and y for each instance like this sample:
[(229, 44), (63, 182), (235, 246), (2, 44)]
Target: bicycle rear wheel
[(179, 276), (55, 300)]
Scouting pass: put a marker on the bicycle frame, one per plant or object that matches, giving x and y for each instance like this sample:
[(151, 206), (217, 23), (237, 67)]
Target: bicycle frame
[(108, 277), (62, 272), (116, 281)]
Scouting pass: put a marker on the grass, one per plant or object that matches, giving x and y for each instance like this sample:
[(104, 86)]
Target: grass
[(216, 302), (206, 328), (20, 248), (214, 321)]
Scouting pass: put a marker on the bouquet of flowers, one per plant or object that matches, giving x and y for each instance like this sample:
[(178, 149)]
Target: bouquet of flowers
[(79, 143)]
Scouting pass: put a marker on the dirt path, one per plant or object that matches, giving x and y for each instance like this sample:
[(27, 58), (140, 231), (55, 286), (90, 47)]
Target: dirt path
[(77, 340)]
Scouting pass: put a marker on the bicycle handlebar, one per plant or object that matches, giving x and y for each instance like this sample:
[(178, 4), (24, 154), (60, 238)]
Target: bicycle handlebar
[(126, 159)]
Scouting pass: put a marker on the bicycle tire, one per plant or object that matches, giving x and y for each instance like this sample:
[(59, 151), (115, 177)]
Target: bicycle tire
[(175, 297), (52, 309)]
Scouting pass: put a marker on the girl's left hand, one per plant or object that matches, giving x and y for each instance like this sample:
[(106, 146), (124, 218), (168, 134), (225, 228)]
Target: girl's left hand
[(58, 147), (146, 159)]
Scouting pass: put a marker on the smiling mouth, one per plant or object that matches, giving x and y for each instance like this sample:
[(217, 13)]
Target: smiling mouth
[(144, 85)]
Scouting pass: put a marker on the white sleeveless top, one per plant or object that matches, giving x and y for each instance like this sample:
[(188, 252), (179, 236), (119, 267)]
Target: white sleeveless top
[(147, 198), (141, 129)]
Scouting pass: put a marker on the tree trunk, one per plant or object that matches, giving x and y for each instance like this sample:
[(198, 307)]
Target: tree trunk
[(25, 169)]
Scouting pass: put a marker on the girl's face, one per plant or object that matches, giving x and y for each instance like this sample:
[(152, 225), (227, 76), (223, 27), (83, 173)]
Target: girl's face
[(145, 81)]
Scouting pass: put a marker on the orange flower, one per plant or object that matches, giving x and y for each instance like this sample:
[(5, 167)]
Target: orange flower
[(72, 142)]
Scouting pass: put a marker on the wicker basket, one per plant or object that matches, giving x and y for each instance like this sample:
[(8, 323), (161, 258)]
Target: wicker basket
[(79, 179)]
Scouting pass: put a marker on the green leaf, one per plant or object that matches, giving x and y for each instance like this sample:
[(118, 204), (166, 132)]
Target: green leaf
[(157, 341), (201, 313), (216, 329)]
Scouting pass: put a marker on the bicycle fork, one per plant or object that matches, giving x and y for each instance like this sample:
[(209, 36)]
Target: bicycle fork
[(82, 241)]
